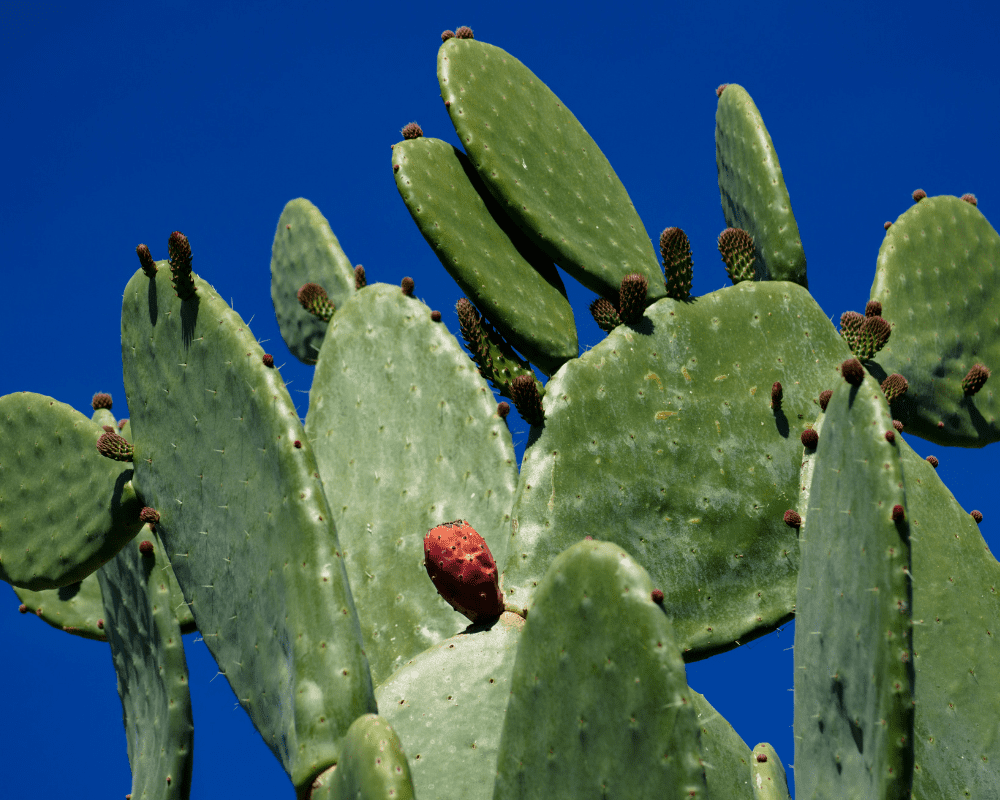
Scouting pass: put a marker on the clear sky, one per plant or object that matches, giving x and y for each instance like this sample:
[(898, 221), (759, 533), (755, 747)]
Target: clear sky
[(124, 124)]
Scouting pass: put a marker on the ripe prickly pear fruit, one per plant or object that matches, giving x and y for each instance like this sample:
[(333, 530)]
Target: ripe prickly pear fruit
[(460, 565)]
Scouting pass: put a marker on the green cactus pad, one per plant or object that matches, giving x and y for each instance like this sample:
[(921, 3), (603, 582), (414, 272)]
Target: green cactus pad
[(937, 278), (853, 626), (152, 673), (221, 454), (372, 766), (956, 608), (599, 702), (64, 508), (754, 197), (546, 171), (662, 438), (448, 704), (76, 608), (510, 280), (407, 436), (767, 776), (724, 753), (305, 250)]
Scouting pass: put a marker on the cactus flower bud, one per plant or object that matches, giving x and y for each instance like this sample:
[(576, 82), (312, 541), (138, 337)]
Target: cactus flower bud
[(873, 308), (761, 758), (435, 316), (149, 516), (412, 131), (932, 460), (824, 398), (918, 195), (605, 315), (657, 596), (527, 400), (738, 254), (268, 360), (894, 387), (632, 297), (678, 271), (314, 299), (977, 516), (890, 436), (971, 199), (406, 286), (101, 400), (146, 547), (446, 35), (115, 447), (793, 519), (146, 260), (776, 394), (720, 89), (503, 409), (360, 281), (809, 438), (898, 514), (465, 32), (852, 371), (180, 265), (975, 379)]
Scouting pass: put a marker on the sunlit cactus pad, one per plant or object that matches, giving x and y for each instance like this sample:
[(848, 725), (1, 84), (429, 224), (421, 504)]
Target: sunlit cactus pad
[(547, 172), (664, 440), (407, 437), (64, 508), (77, 608), (938, 280), (221, 454), (754, 197)]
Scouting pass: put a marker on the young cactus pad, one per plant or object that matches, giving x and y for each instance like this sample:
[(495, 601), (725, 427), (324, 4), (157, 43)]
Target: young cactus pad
[(244, 519)]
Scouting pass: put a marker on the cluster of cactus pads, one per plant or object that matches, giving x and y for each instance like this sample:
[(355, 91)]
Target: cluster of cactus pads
[(668, 506)]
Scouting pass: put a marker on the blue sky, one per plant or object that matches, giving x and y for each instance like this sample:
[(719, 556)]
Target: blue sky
[(123, 125)]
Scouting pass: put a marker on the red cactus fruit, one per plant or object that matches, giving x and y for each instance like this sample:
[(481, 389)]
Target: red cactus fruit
[(101, 400), (793, 519), (932, 460), (873, 308), (463, 571), (977, 516), (918, 195), (435, 316), (975, 379), (809, 438), (971, 199), (890, 436), (761, 758), (720, 89), (776, 394), (149, 516), (146, 260), (406, 286), (268, 360), (360, 281), (503, 409), (446, 35), (887, 225), (146, 547), (657, 596), (824, 398), (22, 608), (411, 130), (465, 32), (898, 514), (852, 371)]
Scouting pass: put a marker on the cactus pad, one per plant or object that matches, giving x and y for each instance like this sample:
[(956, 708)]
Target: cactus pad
[(507, 277), (547, 172), (937, 279), (754, 197), (64, 509), (305, 250)]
